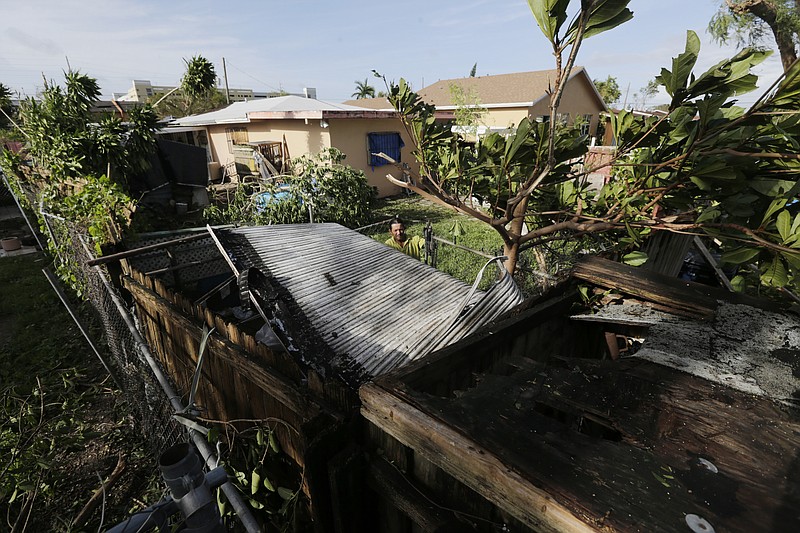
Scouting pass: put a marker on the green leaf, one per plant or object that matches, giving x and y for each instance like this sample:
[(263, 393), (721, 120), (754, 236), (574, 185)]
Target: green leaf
[(635, 258), (606, 15), (675, 81), (774, 206), (285, 493), (739, 256), (772, 187), (268, 484), (784, 224), (549, 15), (793, 259), (708, 215), (273, 442), (775, 274), (255, 481)]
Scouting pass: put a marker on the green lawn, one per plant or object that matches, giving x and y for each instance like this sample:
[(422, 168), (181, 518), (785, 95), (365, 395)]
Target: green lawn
[(470, 233)]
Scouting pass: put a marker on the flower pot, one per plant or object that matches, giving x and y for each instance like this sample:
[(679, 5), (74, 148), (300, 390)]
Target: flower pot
[(10, 244)]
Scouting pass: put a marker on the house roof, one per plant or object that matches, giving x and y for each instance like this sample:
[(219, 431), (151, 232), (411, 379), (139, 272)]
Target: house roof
[(519, 89), (280, 107), (374, 306), (380, 103)]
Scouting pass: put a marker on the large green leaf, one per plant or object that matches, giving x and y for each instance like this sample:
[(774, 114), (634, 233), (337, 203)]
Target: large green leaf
[(604, 15), (739, 256), (774, 274), (731, 76), (675, 81), (784, 224), (635, 258), (549, 15), (772, 187)]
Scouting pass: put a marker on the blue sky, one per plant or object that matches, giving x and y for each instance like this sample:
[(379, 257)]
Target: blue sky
[(291, 44)]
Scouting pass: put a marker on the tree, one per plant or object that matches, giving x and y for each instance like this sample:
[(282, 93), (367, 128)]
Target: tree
[(364, 90), (646, 92), (197, 92), (474, 70), (708, 166), (750, 21), (469, 110), (5, 105), (608, 89), (83, 161)]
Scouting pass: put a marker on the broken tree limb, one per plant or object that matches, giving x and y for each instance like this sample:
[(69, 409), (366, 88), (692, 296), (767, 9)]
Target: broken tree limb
[(98, 495)]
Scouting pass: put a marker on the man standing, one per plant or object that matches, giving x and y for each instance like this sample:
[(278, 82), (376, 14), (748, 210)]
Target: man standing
[(400, 241)]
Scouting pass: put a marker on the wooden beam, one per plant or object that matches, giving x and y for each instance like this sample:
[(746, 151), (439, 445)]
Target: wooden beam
[(680, 296), (472, 465), (144, 249), (712, 262)]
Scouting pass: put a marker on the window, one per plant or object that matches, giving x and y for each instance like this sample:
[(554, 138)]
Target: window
[(236, 136), (389, 143), (585, 122)]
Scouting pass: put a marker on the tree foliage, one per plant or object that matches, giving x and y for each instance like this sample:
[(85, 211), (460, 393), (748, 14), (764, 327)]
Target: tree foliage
[(363, 90), (321, 189), (707, 167), (608, 89), (752, 22), (469, 111), (6, 109), (197, 92), (82, 161)]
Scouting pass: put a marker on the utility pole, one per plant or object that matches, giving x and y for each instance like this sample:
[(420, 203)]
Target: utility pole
[(225, 75), (625, 102)]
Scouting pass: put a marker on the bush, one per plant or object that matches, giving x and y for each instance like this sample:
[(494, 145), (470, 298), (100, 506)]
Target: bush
[(321, 189)]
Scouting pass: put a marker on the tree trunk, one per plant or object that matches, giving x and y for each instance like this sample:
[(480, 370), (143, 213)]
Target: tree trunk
[(767, 11), (512, 252)]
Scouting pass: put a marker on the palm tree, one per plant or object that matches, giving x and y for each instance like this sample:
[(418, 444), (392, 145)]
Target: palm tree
[(364, 90)]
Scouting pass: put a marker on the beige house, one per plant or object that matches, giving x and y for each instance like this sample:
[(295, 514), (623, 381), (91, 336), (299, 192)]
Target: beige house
[(508, 98), (301, 126)]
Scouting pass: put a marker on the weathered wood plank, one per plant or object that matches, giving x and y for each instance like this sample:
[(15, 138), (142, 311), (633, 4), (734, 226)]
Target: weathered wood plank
[(270, 382), (620, 443), (683, 297), (401, 492), (472, 465)]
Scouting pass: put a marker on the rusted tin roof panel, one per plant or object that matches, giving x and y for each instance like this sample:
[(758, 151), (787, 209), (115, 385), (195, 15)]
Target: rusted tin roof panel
[(374, 306)]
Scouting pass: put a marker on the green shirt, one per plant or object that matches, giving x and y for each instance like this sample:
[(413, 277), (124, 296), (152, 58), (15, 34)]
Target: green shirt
[(411, 246)]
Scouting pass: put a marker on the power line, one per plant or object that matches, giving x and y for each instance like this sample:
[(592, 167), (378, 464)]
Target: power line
[(276, 89)]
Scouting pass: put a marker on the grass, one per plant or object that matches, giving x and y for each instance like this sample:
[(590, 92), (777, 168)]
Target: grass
[(446, 224), (62, 423)]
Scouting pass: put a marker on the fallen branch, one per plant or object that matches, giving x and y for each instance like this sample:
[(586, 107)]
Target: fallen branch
[(99, 494)]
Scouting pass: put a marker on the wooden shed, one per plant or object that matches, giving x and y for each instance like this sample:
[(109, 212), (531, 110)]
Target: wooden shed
[(296, 319), (676, 410)]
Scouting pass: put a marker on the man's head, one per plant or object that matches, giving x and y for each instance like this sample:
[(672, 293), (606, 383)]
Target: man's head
[(398, 229)]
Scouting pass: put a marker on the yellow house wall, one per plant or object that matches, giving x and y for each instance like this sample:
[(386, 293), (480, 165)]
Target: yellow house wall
[(301, 138), (578, 99), (503, 117), (350, 136)]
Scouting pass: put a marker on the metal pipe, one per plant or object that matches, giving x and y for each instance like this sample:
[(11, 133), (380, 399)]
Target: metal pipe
[(54, 283), (156, 515), (233, 495)]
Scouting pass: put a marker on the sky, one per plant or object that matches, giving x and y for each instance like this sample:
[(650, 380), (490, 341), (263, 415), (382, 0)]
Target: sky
[(292, 44)]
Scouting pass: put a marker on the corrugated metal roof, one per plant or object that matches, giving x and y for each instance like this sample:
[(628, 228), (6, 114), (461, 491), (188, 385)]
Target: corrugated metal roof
[(374, 306), (239, 111)]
